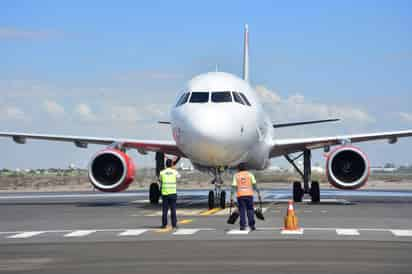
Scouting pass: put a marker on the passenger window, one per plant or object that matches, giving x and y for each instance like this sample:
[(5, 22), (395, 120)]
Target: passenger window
[(237, 98), (221, 97), (183, 99), (245, 99), (199, 97)]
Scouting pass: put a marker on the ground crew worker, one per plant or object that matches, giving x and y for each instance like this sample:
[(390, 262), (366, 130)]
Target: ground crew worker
[(168, 178), (244, 183)]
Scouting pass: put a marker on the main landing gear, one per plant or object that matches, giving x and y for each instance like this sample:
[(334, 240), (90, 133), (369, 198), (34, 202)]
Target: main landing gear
[(298, 191), (217, 196), (154, 189)]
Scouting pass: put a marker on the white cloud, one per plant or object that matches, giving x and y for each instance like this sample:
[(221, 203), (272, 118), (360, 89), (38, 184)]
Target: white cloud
[(53, 108), (84, 112), (407, 117), (124, 113), (11, 113), (267, 95), (297, 108), (14, 33)]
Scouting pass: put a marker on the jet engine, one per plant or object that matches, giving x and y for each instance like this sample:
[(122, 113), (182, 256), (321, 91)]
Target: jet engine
[(347, 167), (111, 170)]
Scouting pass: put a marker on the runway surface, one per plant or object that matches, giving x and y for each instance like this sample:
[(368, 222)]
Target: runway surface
[(86, 232)]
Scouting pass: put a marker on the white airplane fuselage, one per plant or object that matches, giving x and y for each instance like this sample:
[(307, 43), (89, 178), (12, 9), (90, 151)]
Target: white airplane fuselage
[(222, 134)]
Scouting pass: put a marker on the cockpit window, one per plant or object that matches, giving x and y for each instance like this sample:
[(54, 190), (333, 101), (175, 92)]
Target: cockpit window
[(199, 97), (221, 97), (237, 98), (183, 99), (245, 99)]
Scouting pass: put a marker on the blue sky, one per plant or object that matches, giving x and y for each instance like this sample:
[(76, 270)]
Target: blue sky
[(113, 68)]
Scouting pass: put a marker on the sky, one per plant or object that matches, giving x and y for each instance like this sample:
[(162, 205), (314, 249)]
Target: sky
[(113, 68)]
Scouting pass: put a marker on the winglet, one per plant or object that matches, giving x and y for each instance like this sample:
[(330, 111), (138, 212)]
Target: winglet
[(246, 54)]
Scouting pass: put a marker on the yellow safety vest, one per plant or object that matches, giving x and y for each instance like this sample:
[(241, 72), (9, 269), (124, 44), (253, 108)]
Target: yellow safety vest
[(168, 178)]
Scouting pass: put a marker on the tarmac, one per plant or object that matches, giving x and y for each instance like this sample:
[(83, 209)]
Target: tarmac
[(90, 232)]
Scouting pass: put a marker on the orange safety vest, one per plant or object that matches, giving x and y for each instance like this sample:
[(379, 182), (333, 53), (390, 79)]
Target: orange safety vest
[(244, 184)]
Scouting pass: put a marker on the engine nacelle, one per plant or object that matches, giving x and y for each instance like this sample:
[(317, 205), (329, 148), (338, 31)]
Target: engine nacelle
[(111, 170), (347, 167)]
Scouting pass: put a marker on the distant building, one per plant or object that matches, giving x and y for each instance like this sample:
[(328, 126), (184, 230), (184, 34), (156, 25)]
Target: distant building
[(384, 169)]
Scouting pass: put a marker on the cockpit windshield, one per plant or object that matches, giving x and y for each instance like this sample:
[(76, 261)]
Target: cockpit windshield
[(199, 97), (183, 99), (221, 97), (245, 99), (216, 97), (237, 98)]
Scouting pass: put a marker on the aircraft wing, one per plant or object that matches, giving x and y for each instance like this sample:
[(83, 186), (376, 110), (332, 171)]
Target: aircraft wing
[(143, 146), (287, 146)]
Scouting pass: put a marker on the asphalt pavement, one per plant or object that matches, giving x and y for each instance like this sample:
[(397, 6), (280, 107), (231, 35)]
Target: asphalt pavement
[(86, 232)]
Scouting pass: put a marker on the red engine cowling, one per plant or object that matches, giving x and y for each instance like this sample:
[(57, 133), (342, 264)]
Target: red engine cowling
[(347, 167), (111, 170)]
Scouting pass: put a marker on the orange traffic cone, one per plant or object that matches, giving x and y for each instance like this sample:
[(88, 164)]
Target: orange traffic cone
[(291, 221)]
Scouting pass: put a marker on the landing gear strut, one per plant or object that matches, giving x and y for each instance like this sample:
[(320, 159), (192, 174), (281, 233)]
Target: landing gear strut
[(217, 196), (298, 191)]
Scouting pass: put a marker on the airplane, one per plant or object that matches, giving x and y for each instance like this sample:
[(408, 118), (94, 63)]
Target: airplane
[(218, 123)]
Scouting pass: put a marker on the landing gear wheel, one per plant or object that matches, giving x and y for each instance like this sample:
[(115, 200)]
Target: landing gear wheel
[(297, 192), (223, 199), (211, 199), (315, 192), (154, 193)]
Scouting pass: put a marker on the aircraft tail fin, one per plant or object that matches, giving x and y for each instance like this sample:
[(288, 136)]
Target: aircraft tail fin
[(246, 55)]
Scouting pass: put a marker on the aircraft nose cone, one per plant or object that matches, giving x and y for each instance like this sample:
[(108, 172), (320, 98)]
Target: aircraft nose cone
[(216, 137)]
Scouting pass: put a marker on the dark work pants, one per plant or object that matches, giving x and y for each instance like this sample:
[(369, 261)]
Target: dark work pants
[(246, 206), (169, 201)]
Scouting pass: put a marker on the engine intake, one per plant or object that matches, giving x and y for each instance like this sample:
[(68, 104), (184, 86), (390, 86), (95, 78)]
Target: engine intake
[(111, 170), (347, 167)]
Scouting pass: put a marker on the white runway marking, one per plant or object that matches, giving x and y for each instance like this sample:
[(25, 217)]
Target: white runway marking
[(122, 232), (133, 232), (80, 233), (238, 232), (186, 231), (347, 232), (402, 232), (292, 232), (26, 235)]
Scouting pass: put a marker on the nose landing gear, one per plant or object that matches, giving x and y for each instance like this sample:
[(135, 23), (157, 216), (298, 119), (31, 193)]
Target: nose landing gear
[(218, 195), (298, 191)]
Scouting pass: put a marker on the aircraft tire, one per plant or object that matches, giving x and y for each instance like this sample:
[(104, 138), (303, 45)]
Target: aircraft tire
[(315, 192), (211, 199), (297, 192), (154, 193), (223, 199)]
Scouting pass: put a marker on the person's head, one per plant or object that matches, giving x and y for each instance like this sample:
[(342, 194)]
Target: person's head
[(169, 163), (242, 167)]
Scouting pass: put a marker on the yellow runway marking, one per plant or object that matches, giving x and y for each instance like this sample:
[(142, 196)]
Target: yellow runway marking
[(164, 230), (185, 221), (210, 212)]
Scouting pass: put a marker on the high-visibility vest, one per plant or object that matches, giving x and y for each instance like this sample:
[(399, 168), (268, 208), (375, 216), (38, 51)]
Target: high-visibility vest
[(168, 177), (244, 184)]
